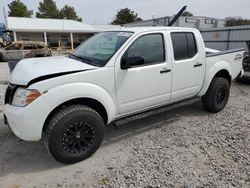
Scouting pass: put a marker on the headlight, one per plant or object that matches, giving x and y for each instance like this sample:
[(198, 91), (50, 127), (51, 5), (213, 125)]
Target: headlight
[(23, 96)]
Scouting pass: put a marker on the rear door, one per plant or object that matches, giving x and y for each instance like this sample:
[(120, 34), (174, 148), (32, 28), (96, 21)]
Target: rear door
[(188, 65)]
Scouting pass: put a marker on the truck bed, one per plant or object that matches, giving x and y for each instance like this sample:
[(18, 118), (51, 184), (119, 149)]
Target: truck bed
[(233, 57)]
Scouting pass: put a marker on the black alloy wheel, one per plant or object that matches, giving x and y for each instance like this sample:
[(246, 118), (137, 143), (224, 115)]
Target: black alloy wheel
[(78, 137), (74, 133)]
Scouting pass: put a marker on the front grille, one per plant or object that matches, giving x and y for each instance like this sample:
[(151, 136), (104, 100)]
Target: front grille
[(10, 93)]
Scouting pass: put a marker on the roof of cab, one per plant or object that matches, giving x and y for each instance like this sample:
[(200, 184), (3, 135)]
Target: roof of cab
[(148, 29)]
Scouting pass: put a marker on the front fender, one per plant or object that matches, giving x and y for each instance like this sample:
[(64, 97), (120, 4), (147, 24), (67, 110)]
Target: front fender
[(63, 93), (211, 72)]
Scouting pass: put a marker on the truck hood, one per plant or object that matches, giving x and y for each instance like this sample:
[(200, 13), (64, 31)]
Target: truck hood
[(32, 70)]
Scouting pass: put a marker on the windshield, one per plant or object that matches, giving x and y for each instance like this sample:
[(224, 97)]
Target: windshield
[(100, 48)]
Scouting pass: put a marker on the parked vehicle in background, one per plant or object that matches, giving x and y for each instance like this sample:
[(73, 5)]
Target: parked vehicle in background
[(246, 66), (67, 101), (246, 69), (24, 49)]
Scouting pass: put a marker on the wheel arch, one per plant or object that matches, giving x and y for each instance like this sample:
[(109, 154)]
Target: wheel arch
[(91, 103), (224, 72)]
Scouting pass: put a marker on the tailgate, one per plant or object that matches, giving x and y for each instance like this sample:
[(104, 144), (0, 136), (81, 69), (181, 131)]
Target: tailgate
[(233, 57)]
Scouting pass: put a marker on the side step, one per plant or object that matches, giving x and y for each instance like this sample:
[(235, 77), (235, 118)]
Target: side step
[(155, 111)]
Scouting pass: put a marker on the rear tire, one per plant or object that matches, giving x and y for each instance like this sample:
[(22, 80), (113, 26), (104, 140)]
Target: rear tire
[(217, 95), (74, 134)]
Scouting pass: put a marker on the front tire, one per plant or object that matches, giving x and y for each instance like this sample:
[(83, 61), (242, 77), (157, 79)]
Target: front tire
[(74, 134), (217, 95)]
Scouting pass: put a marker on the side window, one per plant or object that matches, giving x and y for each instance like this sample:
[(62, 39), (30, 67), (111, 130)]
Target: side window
[(184, 45), (40, 46), (150, 47), (65, 38), (29, 47), (25, 36), (191, 44), (180, 46)]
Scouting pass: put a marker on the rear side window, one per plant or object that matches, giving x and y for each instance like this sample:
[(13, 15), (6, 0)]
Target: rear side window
[(184, 45), (40, 47), (180, 46), (191, 44), (29, 47)]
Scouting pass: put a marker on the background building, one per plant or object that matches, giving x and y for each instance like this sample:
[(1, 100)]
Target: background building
[(184, 21), (68, 34), (213, 30), (56, 33), (227, 38)]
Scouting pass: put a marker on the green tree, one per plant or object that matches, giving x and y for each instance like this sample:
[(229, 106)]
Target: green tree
[(69, 13), (186, 13), (48, 9), (124, 16), (18, 9), (236, 21)]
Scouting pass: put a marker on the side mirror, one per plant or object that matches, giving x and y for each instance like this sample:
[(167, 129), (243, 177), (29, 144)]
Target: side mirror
[(130, 62)]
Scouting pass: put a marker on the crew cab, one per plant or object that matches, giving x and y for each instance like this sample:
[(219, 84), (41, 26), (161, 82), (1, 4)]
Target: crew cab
[(67, 101)]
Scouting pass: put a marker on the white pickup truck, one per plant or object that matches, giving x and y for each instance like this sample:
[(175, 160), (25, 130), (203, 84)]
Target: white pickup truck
[(67, 101)]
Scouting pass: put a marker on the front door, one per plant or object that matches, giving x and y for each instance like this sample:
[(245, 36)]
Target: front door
[(148, 84)]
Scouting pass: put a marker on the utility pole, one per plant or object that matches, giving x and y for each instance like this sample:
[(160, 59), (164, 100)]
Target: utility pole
[(5, 18)]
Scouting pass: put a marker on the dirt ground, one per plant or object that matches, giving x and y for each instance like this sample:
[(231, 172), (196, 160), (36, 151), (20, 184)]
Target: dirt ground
[(185, 147)]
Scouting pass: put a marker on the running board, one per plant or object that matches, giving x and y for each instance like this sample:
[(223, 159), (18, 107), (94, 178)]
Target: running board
[(156, 111)]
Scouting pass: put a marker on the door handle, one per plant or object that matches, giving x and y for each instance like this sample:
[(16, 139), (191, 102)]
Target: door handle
[(165, 71), (197, 64)]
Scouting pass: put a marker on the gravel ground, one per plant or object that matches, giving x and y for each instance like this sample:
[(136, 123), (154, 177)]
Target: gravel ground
[(186, 147), (198, 150)]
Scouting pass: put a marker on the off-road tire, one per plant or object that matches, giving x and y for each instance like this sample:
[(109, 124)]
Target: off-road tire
[(210, 99), (70, 118)]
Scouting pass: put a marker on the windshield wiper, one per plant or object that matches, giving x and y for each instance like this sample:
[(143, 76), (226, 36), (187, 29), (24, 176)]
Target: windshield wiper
[(89, 61), (79, 57), (83, 59)]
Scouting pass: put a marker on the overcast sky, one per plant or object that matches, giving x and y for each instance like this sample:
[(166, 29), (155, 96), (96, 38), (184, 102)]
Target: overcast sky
[(103, 11)]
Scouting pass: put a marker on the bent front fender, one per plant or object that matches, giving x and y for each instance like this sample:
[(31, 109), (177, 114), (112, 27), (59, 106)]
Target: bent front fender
[(63, 93)]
